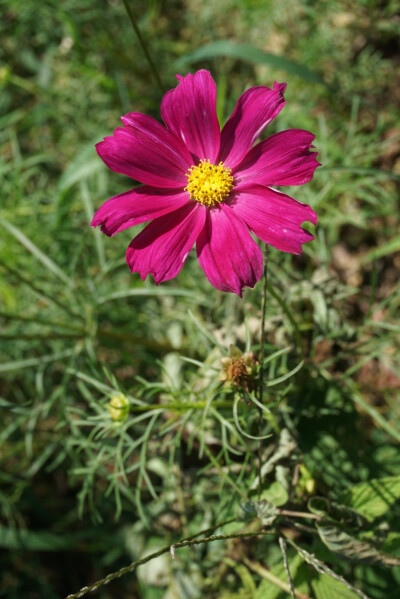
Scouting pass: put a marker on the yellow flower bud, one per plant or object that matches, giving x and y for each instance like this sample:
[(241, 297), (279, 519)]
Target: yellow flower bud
[(118, 407)]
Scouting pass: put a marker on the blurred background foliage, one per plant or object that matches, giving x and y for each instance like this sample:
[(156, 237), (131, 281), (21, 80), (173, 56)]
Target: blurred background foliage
[(82, 494)]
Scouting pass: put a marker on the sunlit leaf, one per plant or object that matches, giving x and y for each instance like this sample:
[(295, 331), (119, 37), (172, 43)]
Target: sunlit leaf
[(373, 498), (276, 494), (326, 587)]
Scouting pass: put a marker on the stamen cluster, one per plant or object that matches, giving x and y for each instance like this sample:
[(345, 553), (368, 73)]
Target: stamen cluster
[(208, 183)]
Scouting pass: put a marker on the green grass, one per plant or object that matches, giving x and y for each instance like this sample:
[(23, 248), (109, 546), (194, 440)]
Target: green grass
[(81, 495)]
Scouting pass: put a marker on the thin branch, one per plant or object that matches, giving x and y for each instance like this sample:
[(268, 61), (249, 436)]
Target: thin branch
[(295, 514), (282, 545), (324, 569), (169, 549)]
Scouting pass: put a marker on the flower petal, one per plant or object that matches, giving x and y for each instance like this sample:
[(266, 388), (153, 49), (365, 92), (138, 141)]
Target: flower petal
[(274, 217), (189, 111), (163, 246), (227, 253), (282, 159), (147, 152), (255, 109), (137, 206)]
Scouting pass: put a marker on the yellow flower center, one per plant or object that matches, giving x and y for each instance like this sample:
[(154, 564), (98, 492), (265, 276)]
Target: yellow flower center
[(209, 183)]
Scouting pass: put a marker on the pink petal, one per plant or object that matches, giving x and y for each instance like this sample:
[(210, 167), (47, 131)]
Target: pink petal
[(282, 159), (147, 152), (227, 253), (255, 109), (137, 206), (189, 111), (163, 246), (274, 217)]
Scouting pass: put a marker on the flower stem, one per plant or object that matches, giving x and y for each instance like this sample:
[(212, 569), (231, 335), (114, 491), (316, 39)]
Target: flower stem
[(143, 46), (261, 360)]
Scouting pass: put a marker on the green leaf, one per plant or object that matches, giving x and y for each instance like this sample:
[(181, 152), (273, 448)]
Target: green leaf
[(323, 569), (373, 498), (284, 377), (264, 510), (276, 494), (237, 423), (277, 354), (336, 511), (251, 54), (326, 587), (350, 548), (391, 544)]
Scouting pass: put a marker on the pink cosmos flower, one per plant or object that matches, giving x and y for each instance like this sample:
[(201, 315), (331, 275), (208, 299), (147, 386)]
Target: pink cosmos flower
[(206, 186)]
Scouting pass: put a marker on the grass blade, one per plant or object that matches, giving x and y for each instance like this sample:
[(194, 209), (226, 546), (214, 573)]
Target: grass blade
[(35, 251), (251, 54), (18, 364), (87, 202)]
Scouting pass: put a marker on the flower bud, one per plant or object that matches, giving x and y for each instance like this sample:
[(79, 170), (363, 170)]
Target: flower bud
[(118, 407)]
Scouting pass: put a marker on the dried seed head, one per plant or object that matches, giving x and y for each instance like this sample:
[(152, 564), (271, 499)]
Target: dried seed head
[(239, 369)]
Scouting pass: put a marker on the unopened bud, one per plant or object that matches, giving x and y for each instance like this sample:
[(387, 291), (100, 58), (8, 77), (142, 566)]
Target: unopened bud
[(118, 407)]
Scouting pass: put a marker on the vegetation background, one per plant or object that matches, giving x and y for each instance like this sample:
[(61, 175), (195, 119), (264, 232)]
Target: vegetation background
[(83, 495)]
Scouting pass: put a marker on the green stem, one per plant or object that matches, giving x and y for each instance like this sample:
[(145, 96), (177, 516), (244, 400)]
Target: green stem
[(322, 568), (143, 46), (296, 514), (171, 549), (261, 360), (206, 531), (195, 405), (290, 316), (42, 336), (286, 565)]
